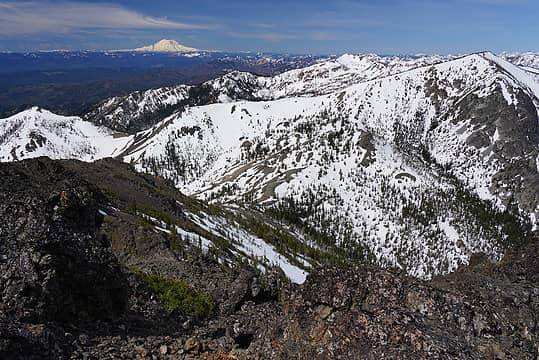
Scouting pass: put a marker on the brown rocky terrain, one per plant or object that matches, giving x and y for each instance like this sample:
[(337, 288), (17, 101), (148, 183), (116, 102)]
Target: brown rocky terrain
[(72, 286)]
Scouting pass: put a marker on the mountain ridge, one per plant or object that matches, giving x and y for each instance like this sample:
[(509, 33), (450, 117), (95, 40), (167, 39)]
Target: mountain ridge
[(360, 205), (431, 128)]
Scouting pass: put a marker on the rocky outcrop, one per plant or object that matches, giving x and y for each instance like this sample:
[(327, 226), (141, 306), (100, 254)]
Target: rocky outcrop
[(52, 259), (71, 254), (53, 264), (486, 311), (65, 295)]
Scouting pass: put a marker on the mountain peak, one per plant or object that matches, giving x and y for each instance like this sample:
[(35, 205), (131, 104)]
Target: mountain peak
[(166, 45)]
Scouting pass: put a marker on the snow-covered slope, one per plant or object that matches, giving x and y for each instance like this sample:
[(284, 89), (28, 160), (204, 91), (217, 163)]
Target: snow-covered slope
[(415, 163), (462, 127), (37, 132), (334, 74), (525, 60), (428, 92), (517, 73), (141, 110), (242, 243), (528, 61)]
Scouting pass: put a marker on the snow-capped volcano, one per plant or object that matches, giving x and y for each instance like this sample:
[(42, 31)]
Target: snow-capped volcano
[(166, 46)]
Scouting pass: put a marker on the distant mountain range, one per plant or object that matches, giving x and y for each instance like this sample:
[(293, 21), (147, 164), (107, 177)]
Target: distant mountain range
[(72, 82), (411, 162)]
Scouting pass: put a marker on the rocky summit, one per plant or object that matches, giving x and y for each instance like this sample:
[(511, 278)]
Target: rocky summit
[(90, 269)]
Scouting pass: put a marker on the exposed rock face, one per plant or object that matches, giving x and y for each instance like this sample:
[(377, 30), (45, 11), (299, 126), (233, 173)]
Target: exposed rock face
[(510, 132), (52, 259), (483, 312), (53, 265), (63, 291)]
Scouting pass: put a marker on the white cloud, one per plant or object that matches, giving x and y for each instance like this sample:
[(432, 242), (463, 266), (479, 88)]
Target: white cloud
[(32, 17)]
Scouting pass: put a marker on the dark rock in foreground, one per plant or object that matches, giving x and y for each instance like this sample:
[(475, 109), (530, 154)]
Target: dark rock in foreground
[(489, 312), (53, 265), (64, 294)]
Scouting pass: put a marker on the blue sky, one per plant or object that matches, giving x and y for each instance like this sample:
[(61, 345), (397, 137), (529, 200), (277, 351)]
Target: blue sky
[(303, 26)]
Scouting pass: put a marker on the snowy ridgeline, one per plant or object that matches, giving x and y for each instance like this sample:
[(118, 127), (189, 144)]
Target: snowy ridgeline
[(387, 157), (37, 132)]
